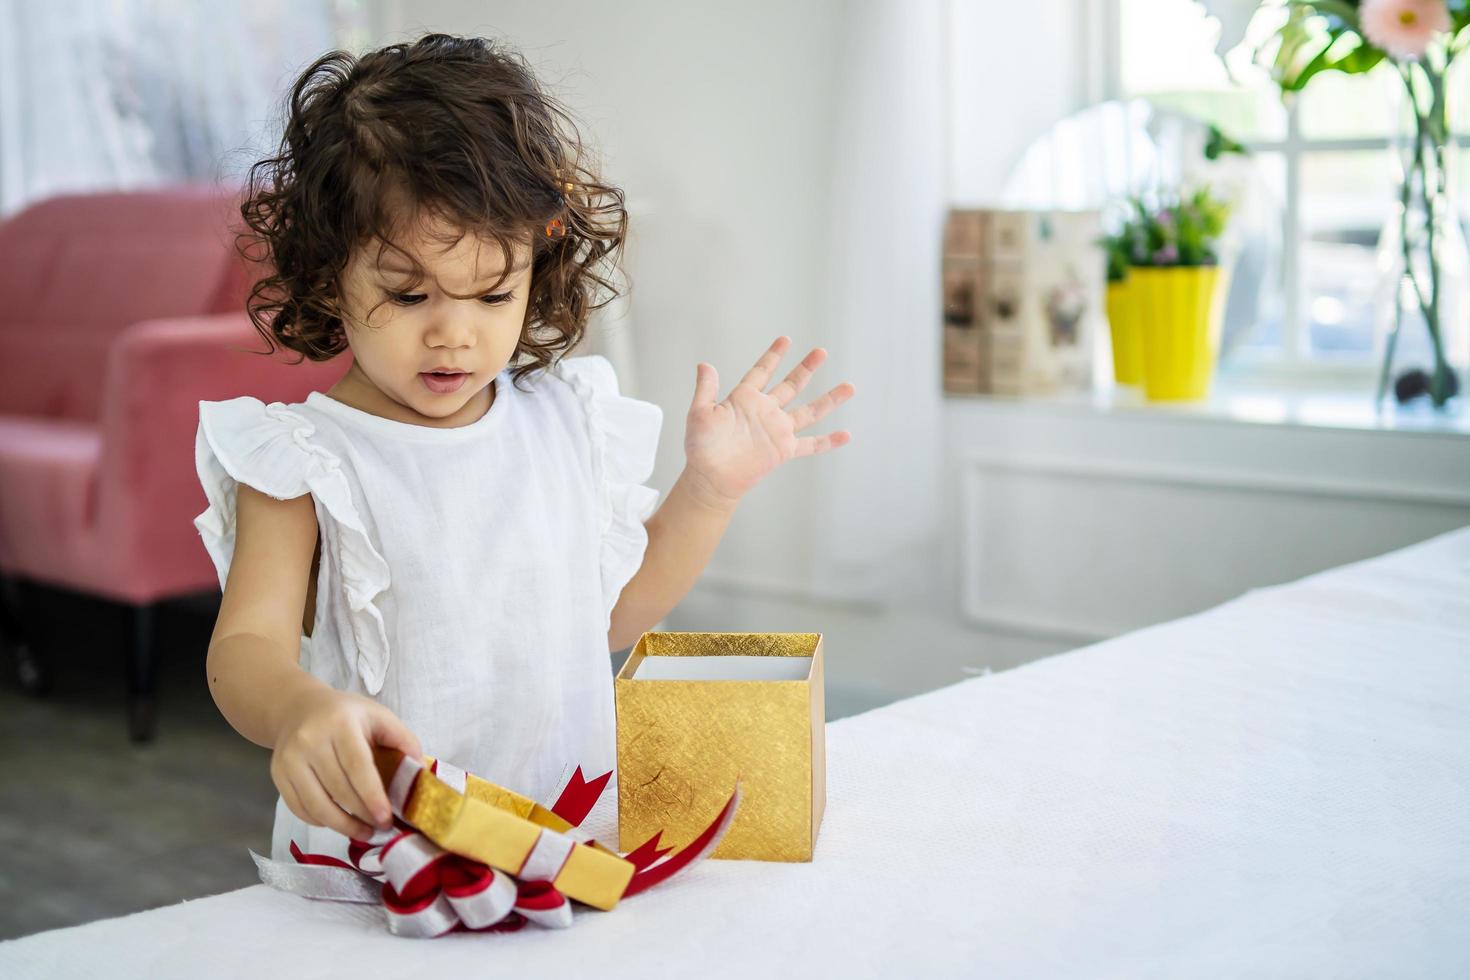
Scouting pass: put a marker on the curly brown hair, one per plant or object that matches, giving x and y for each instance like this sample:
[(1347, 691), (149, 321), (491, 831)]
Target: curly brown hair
[(453, 127)]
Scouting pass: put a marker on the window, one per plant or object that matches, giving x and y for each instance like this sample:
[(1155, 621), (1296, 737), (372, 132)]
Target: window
[(138, 94), (1327, 159)]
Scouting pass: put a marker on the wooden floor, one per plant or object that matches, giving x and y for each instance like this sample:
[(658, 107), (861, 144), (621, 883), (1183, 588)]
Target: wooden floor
[(93, 826)]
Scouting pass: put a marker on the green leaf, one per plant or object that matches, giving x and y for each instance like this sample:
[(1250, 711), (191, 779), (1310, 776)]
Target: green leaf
[(1459, 38), (1217, 143), (1344, 51), (1334, 10), (1361, 59), (1301, 33)]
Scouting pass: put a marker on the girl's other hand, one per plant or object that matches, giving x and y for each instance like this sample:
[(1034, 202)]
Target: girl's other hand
[(731, 445), (322, 763)]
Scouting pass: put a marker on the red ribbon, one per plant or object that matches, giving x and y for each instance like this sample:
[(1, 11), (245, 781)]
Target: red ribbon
[(428, 891)]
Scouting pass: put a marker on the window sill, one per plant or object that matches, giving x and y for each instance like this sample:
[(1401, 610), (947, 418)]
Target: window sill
[(1260, 402)]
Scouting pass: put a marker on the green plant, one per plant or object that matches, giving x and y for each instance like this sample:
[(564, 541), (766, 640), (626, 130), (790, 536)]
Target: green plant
[(1217, 144), (1421, 39), (1182, 230), (1117, 247), (1329, 35)]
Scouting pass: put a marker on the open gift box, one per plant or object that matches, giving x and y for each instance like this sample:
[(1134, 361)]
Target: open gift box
[(697, 710)]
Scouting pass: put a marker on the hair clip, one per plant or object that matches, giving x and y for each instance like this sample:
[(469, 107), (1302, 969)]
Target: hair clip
[(555, 229)]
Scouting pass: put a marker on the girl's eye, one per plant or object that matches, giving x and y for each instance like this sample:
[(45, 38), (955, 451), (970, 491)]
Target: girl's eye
[(412, 299)]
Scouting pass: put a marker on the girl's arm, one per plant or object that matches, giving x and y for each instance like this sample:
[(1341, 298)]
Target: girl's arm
[(730, 446), (252, 660), (682, 535), (321, 738)]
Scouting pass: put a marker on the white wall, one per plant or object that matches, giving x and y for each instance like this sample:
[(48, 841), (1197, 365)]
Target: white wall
[(1080, 523), (1015, 69)]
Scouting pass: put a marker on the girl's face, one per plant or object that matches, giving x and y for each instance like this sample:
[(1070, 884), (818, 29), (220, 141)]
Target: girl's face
[(417, 331)]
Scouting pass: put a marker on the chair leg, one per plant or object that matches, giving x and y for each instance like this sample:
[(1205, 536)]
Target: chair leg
[(142, 673), (31, 669)]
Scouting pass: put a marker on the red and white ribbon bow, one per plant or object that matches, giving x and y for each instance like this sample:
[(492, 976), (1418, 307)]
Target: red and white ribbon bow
[(428, 891)]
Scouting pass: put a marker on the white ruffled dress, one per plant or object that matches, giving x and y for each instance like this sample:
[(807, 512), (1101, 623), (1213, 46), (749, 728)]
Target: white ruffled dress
[(467, 575)]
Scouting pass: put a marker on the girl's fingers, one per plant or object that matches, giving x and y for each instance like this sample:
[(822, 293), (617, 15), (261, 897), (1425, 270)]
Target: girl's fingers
[(391, 733), (760, 373), (814, 410), (292, 800), (323, 812), (296, 804), (356, 759), (792, 384), (706, 385), (329, 773), (812, 445)]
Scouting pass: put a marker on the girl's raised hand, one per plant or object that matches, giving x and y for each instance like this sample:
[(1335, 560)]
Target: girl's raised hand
[(731, 445), (323, 760)]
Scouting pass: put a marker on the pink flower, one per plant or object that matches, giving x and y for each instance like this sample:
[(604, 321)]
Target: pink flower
[(1403, 28)]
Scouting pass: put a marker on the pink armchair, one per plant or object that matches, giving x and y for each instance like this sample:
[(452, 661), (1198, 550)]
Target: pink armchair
[(118, 312)]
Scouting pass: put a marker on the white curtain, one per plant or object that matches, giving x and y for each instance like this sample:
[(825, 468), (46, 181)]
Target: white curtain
[(877, 504), (139, 93)]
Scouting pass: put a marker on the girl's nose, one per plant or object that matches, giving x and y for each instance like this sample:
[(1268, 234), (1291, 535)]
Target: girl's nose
[(453, 328)]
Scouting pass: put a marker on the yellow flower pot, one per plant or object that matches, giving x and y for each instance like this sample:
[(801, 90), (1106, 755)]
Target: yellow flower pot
[(1123, 324), (1180, 311)]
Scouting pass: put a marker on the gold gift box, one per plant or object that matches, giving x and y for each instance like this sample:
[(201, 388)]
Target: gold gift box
[(697, 710)]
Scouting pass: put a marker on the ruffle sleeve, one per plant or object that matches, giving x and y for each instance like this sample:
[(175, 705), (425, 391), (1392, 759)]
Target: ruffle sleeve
[(624, 433), (270, 447)]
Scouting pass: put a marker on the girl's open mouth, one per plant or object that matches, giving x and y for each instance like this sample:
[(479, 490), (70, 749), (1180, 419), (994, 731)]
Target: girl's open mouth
[(443, 384)]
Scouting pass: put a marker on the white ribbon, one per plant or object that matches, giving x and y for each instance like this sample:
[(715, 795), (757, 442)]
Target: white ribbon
[(396, 857)]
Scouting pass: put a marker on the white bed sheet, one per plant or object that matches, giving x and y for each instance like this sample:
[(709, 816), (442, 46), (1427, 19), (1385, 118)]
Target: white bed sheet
[(1276, 787)]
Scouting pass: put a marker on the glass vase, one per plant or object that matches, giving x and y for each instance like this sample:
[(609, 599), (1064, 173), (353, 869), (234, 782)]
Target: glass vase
[(1422, 300)]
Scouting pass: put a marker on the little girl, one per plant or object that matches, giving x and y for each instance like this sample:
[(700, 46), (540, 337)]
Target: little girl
[(439, 553)]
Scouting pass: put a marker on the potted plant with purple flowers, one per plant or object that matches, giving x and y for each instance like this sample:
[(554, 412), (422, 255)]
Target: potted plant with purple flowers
[(1172, 299)]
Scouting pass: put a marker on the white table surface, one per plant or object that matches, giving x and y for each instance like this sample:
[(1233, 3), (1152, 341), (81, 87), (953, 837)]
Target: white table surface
[(1276, 787)]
